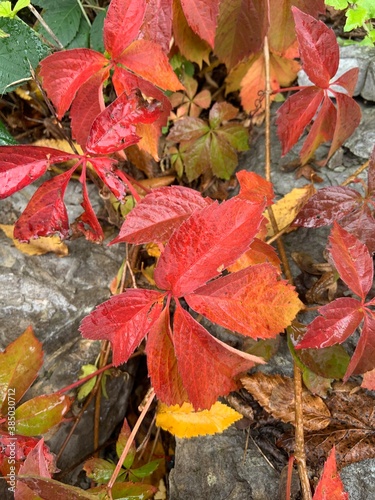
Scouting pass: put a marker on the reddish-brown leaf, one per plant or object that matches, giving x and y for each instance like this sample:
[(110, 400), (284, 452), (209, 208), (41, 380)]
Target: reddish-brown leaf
[(363, 358), (64, 72), (206, 243), (318, 48), (157, 23), (114, 128), (253, 302), (348, 81), (147, 60), (87, 105), (121, 25), (242, 26), (253, 187), (45, 213), (124, 320), (160, 213), (22, 165), (338, 320), (295, 114), (327, 205), (162, 363), (105, 168), (202, 17), (207, 366), (330, 486), (352, 261)]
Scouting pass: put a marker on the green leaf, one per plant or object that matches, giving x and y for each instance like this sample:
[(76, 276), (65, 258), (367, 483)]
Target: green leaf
[(337, 4), (121, 443), (6, 10), (6, 138), (144, 471), (22, 46), (21, 4), (237, 136), (39, 414), (88, 386), (82, 36), (196, 156), (19, 366), (63, 17), (96, 32), (99, 470), (127, 491), (369, 5), (221, 111), (223, 157), (355, 18)]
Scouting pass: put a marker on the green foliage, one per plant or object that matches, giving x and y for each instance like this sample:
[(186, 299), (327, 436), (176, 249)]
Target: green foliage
[(5, 136), (359, 14), (7, 11)]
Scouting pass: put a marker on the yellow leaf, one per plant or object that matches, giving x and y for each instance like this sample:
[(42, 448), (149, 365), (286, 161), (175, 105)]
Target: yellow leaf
[(61, 144), (153, 250), (184, 422), (39, 246), (286, 209)]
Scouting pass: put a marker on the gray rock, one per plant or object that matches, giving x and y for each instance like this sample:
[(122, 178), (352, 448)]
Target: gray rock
[(362, 141), (218, 468), (359, 480), (368, 91)]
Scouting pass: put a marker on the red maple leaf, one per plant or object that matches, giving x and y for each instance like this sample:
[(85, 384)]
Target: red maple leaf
[(344, 204), (319, 52), (340, 318), (75, 77), (202, 239), (330, 486)]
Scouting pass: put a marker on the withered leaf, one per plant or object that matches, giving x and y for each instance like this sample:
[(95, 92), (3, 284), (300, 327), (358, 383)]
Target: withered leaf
[(352, 429), (276, 394)]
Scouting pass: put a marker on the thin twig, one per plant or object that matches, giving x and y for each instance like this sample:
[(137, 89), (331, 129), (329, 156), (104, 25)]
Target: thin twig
[(84, 13), (46, 27), (356, 174), (103, 360)]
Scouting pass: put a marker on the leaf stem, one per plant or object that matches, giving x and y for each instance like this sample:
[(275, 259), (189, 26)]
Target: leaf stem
[(356, 174)]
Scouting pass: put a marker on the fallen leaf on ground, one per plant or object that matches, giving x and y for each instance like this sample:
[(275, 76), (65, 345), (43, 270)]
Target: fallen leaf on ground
[(40, 246), (276, 394), (184, 422)]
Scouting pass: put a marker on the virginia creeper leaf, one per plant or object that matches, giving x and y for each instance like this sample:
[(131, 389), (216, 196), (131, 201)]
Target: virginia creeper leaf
[(253, 302), (38, 415), (124, 320), (45, 213), (352, 261), (87, 106), (47, 488), (22, 165), (20, 363), (330, 486), (99, 470), (114, 128), (159, 213), (64, 72), (318, 48), (202, 17), (363, 356), (348, 80), (121, 443), (242, 26), (214, 363), (105, 168), (128, 491), (183, 422), (121, 25), (253, 187), (157, 23), (162, 363), (217, 236), (338, 320)]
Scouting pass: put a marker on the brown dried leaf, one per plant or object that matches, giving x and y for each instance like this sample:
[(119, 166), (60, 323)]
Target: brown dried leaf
[(352, 429), (276, 394)]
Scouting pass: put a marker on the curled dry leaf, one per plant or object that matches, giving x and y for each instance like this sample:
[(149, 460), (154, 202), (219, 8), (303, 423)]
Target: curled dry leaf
[(39, 246), (276, 394)]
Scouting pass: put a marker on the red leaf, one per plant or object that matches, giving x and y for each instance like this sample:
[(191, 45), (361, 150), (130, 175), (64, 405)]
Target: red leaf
[(159, 214), (88, 223), (147, 60), (45, 213), (64, 72), (206, 243), (162, 363), (363, 358), (39, 462), (114, 128), (352, 261), (104, 167), (242, 26), (22, 165), (327, 205), (254, 188), (348, 80), (371, 173), (87, 105), (241, 302), (121, 25), (348, 118), (322, 130), (318, 48), (157, 23), (124, 320), (330, 486), (339, 319), (295, 114), (202, 17), (207, 366)]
